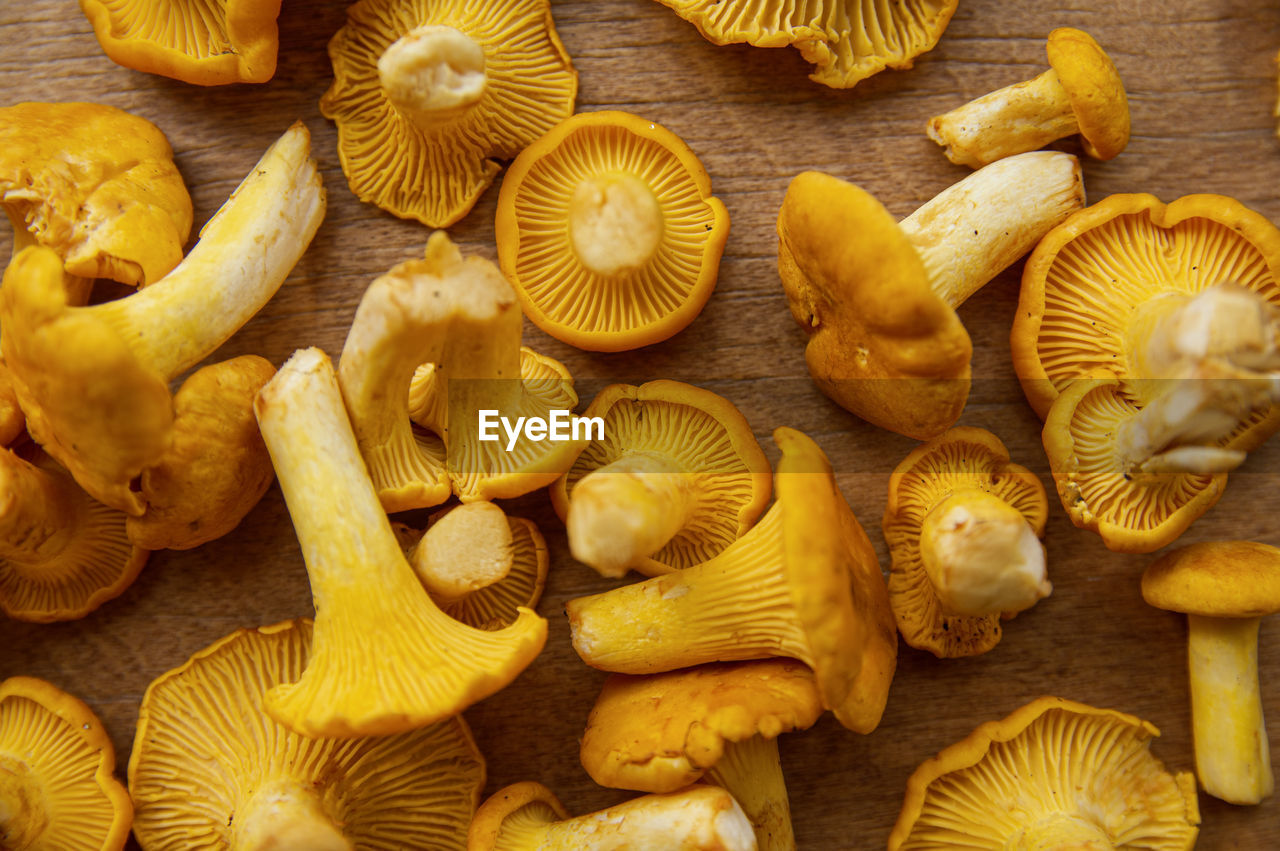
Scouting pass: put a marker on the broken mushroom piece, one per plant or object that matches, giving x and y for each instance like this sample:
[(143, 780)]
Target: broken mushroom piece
[(527, 816), (210, 769), (1080, 93), (97, 185), (57, 783), (718, 723), (384, 658), (803, 583), (963, 525), (609, 233), (459, 315), (674, 477), (429, 96), (877, 298), (93, 381), (207, 44), (1225, 589), (1081, 778)]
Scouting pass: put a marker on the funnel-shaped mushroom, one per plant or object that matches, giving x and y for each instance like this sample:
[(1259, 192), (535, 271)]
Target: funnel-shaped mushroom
[(848, 41), (93, 381), (1080, 93), (717, 723), (1225, 588), (428, 94), (527, 816), (57, 787), (963, 525), (675, 477), (210, 769), (459, 315), (385, 658), (803, 583), (876, 297), (95, 184), (208, 44), (609, 232), (1053, 775)]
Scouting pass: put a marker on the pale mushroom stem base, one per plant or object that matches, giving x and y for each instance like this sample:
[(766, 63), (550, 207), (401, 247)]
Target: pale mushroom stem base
[(751, 771), (286, 817)]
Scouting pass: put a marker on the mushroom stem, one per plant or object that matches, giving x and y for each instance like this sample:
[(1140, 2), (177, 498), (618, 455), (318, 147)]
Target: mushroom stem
[(751, 771), (23, 814), (1232, 755), (615, 223), (286, 817), (465, 550), (1060, 832), (1023, 117), (433, 75), (978, 227), (624, 512)]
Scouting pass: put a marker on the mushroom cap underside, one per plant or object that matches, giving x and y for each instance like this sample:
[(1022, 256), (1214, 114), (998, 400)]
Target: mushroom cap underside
[(1094, 88), (1217, 579)]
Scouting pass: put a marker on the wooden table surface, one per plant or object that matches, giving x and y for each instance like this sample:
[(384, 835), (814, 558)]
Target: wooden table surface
[(1201, 83)]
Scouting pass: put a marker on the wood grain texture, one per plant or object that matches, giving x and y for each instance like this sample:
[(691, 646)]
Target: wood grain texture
[(1201, 85)]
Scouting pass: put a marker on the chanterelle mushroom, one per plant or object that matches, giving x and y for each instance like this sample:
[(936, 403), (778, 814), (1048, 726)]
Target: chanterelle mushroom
[(57, 786), (1225, 588), (428, 95), (876, 297), (1053, 775), (93, 381), (675, 478), (1080, 93), (210, 769), (803, 583), (385, 658)]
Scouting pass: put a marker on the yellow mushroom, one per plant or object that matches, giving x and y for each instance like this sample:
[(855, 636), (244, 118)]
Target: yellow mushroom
[(1080, 93), (93, 381), (210, 769), (385, 658), (803, 583)]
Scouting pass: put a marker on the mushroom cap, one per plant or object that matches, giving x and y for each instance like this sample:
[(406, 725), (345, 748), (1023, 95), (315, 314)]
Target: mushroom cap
[(1094, 88), (97, 185), (12, 421), (1216, 579), (567, 299), (958, 459), (234, 41), (1083, 283), (1056, 759), (205, 745), (57, 757), (534, 803), (702, 434), (661, 732), (861, 292), (436, 177), (847, 41)]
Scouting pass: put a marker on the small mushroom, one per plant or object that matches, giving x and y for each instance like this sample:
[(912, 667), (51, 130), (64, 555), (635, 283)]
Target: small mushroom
[(675, 478), (877, 298), (93, 381), (57, 782), (207, 44), (1225, 589), (1080, 93), (609, 232), (527, 816), (428, 96), (803, 583), (1055, 774), (717, 723), (385, 658), (210, 769), (963, 526)]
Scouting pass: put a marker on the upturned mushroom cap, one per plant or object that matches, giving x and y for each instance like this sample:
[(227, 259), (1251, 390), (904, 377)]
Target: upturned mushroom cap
[(435, 172), (847, 41), (699, 437), (609, 232), (211, 769), (1094, 87), (234, 41), (1216, 579), (95, 184), (1094, 784), (57, 786)]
